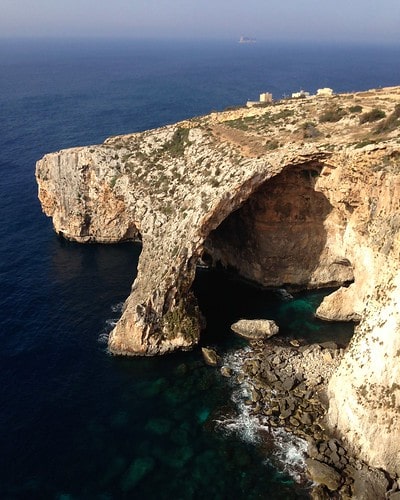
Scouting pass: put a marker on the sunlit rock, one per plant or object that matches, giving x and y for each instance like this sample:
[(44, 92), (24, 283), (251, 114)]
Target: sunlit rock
[(280, 196)]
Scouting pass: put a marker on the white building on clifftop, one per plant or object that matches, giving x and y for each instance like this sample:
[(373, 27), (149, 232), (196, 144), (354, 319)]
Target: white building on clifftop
[(265, 98), (325, 92), (300, 95)]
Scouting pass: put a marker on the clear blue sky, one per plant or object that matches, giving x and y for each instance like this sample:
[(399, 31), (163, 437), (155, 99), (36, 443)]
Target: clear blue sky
[(330, 20)]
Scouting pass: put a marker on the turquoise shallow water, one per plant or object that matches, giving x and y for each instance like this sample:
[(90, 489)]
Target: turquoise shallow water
[(76, 423)]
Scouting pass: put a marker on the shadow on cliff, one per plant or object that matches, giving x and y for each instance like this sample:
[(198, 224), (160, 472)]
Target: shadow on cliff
[(277, 236)]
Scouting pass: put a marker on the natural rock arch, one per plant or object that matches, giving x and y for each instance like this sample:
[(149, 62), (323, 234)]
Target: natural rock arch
[(169, 318), (177, 184)]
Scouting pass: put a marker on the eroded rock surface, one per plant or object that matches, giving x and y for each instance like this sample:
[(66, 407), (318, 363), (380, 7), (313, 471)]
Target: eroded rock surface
[(300, 194), (255, 329)]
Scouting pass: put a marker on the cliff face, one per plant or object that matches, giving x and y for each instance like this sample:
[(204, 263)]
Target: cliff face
[(281, 235), (302, 193), (365, 392)]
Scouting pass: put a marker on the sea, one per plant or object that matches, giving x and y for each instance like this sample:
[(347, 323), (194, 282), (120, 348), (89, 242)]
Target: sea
[(76, 422)]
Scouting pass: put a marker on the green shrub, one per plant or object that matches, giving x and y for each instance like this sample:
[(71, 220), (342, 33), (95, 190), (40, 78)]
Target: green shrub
[(355, 109), (363, 143), (243, 123), (285, 113), (271, 145), (113, 181), (180, 139), (332, 115), (372, 116), (391, 122)]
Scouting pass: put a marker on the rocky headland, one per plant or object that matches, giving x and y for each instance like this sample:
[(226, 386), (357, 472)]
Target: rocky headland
[(300, 193)]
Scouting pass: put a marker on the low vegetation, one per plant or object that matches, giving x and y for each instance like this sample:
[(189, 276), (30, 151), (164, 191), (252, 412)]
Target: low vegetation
[(176, 146), (272, 144), (391, 123), (259, 122), (389, 163), (372, 116), (355, 109), (332, 115)]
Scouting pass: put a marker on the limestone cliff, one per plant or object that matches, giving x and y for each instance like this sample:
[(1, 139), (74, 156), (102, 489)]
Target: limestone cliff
[(303, 193)]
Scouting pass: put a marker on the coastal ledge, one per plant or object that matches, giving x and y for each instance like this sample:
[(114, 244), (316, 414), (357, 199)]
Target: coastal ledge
[(304, 193)]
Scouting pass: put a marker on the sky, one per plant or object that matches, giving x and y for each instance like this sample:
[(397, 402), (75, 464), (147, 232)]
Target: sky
[(325, 20)]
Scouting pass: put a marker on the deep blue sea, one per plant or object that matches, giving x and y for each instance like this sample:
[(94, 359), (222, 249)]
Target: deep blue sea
[(76, 423)]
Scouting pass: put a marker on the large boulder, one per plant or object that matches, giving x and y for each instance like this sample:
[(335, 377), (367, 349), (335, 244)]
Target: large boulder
[(210, 356), (369, 484), (255, 329), (323, 474)]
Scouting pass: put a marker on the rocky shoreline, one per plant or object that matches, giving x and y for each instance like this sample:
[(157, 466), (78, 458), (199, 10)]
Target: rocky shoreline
[(286, 383)]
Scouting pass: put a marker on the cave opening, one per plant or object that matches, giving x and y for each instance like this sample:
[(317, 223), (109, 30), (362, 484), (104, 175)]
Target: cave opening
[(277, 240)]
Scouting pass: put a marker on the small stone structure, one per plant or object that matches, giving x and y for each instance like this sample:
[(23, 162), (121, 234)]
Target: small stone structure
[(301, 94), (266, 97), (325, 92)]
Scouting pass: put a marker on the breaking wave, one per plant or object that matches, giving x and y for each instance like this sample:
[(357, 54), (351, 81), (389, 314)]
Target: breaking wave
[(285, 451), (117, 308), (110, 323)]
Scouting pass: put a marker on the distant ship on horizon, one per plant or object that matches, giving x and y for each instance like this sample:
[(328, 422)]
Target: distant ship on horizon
[(247, 39)]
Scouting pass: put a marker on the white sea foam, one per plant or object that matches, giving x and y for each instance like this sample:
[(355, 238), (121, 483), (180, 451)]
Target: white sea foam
[(103, 337), (244, 425), (117, 308), (110, 323), (288, 451)]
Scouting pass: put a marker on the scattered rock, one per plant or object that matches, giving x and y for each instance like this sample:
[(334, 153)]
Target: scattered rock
[(226, 371), (294, 343), (255, 329), (306, 419), (210, 356), (288, 383), (329, 345), (332, 445), (323, 474), (287, 390), (293, 421), (327, 356), (320, 493), (284, 294)]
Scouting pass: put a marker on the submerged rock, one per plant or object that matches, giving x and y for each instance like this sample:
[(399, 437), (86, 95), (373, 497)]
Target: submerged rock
[(159, 426), (139, 468), (255, 329)]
